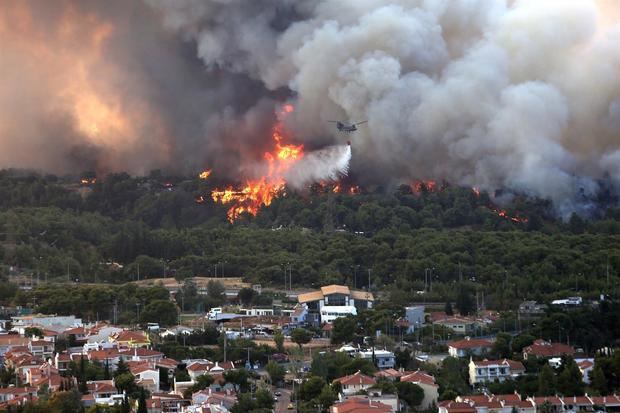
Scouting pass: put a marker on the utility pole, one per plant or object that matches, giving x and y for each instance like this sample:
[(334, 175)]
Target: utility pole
[(138, 271), (369, 271), (225, 344), (115, 310)]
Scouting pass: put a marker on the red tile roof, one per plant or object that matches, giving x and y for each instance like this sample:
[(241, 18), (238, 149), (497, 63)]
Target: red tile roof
[(469, 343), (542, 348), (419, 377), (360, 406), (357, 378)]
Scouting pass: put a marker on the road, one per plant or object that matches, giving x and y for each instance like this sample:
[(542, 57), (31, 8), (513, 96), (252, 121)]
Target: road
[(281, 405)]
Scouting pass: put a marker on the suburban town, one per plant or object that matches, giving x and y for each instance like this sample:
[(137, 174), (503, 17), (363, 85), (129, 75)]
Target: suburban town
[(304, 352)]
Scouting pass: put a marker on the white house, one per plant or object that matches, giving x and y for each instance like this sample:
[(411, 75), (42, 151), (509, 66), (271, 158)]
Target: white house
[(355, 383), (330, 313), (334, 296), (383, 359), (494, 370)]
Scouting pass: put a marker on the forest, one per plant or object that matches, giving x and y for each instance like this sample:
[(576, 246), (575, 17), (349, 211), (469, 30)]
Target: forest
[(121, 228)]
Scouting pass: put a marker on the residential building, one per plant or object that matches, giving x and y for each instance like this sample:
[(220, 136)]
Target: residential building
[(415, 317), (545, 349), (469, 346), (256, 311), (383, 359), (338, 299), (129, 338), (532, 309), (10, 393), (427, 383), (568, 302), (355, 383), (375, 396), (50, 322), (494, 370), (585, 367), (460, 325), (360, 406), (41, 348)]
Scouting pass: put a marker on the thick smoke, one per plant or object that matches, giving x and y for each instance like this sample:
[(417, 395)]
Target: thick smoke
[(328, 164), (521, 95)]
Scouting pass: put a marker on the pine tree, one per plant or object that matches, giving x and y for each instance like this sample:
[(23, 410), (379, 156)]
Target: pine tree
[(599, 381), (448, 309), (570, 380), (142, 402), (546, 381), (106, 370), (125, 408)]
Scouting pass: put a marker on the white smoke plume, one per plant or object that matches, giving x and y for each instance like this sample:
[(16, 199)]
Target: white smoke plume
[(328, 164), (520, 95)]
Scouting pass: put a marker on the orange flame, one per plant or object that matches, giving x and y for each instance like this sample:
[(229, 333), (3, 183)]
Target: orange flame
[(502, 213), (262, 191), (205, 174), (88, 181), (423, 186), (476, 191)]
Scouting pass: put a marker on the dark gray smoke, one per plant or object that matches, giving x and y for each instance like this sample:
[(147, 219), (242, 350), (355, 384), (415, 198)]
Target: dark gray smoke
[(521, 95)]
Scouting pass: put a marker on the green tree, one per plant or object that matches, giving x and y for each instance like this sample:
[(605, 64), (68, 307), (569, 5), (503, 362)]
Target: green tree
[(327, 397), (162, 312), (215, 293), (598, 380), (264, 399), (33, 332), (570, 381), (125, 382), (142, 402), (276, 372), (448, 308), (311, 388), (66, 402), (343, 330), (464, 300), (501, 347), (546, 381), (278, 338), (121, 368), (301, 336), (246, 296), (411, 393)]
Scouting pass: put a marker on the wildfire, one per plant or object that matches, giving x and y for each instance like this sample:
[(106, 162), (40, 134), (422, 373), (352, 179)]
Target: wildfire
[(205, 174), (88, 181), (421, 186), (262, 191), (476, 191), (502, 213)]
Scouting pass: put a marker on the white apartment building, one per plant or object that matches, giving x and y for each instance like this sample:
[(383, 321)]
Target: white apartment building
[(494, 370)]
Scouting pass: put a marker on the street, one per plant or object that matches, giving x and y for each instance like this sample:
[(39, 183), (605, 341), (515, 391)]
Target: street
[(281, 406)]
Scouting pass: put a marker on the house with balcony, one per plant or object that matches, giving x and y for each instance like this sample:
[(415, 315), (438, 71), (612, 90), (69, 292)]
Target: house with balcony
[(334, 301), (494, 370)]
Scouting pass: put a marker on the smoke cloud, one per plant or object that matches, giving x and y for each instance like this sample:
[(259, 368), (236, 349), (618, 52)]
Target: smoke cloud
[(328, 164), (522, 95)]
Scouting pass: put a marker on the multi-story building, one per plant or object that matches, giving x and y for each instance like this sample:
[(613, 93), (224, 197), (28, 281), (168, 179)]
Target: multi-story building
[(333, 301), (415, 317), (383, 359), (494, 370)]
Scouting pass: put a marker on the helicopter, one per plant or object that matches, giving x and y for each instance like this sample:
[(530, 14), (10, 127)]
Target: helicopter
[(346, 127)]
